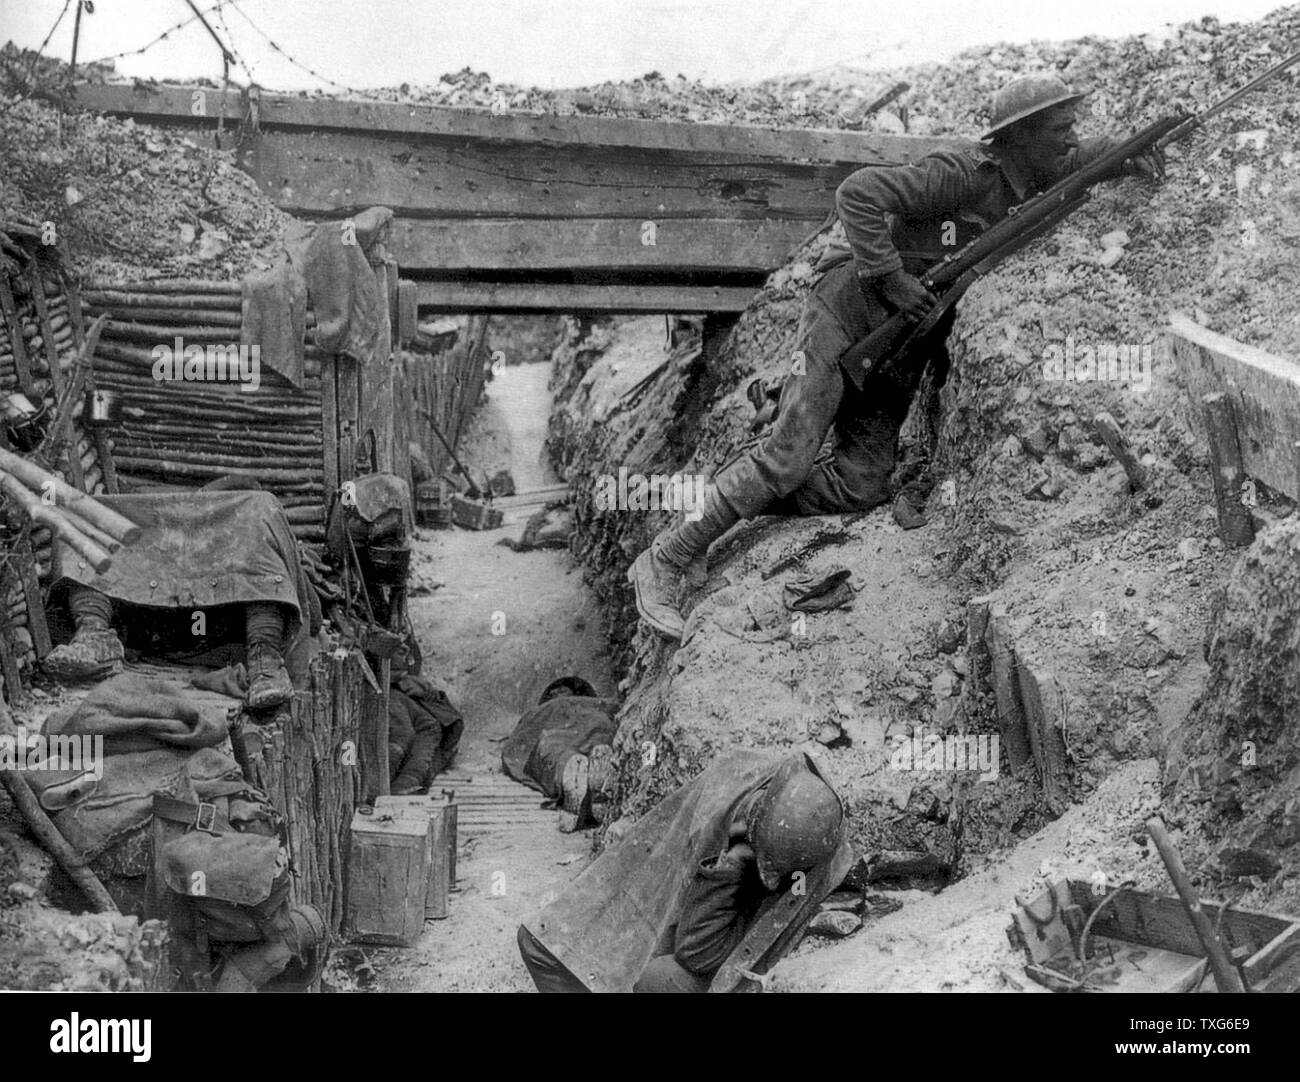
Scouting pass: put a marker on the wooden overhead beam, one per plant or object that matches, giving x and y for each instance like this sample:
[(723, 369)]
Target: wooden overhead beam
[(605, 244), (1264, 390), (314, 173), (163, 103), (581, 297)]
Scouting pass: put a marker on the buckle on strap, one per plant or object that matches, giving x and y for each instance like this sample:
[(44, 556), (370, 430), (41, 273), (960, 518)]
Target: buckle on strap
[(205, 817)]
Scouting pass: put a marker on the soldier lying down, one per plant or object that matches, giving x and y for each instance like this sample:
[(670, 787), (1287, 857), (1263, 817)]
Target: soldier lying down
[(211, 571)]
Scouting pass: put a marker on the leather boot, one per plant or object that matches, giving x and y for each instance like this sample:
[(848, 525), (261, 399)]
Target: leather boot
[(600, 772), (573, 783), (268, 680), (657, 572), (94, 653)]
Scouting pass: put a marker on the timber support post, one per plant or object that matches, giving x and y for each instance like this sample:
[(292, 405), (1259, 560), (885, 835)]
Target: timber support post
[(1229, 475)]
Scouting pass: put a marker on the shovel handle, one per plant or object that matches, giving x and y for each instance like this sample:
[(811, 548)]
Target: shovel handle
[(1225, 977)]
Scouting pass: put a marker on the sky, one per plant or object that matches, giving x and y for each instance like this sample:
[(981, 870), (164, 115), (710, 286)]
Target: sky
[(565, 43)]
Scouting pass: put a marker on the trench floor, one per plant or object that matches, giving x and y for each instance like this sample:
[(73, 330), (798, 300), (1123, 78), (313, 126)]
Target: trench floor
[(500, 627)]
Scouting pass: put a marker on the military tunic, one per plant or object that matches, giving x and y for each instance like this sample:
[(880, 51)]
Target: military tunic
[(906, 217)]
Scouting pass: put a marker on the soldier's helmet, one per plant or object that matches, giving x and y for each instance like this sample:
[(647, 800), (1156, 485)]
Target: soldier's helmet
[(567, 685), (797, 823), (1024, 97)]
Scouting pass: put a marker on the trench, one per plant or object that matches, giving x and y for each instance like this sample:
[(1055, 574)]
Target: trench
[(552, 627)]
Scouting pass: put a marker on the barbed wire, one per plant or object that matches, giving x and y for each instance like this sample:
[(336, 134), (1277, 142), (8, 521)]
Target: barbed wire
[(66, 4), (161, 37), (297, 63), (230, 39), (29, 79)]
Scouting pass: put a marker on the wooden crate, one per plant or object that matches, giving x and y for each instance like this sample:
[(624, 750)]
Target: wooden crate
[(1147, 943), (440, 814), (474, 515), (388, 877)]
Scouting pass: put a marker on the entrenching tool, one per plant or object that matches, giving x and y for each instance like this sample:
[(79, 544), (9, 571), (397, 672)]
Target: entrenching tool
[(475, 492), (1226, 976)]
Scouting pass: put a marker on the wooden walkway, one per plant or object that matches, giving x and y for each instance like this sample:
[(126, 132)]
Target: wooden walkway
[(491, 803)]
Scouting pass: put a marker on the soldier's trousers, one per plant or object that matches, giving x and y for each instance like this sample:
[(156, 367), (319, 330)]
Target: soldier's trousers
[(785, 475)]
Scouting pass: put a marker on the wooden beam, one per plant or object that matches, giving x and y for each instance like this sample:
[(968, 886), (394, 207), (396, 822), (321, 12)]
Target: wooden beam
[(175, 104), (581, 297), (1006, 692), (37, 625), (317, 172), (596, 244), (1264, 391), (1226, 471), (1041, 699)]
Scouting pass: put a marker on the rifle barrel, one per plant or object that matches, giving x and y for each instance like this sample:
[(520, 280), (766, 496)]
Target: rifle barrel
[(1194, 122)]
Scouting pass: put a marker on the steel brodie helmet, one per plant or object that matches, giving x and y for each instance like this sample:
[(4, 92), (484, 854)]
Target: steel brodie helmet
[(796, 824), (1027, 96)]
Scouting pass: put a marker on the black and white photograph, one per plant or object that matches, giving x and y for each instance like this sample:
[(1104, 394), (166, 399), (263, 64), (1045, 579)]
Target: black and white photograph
[(660, 496)]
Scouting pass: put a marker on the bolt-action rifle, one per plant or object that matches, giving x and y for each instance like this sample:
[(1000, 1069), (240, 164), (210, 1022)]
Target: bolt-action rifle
[(887, 350)]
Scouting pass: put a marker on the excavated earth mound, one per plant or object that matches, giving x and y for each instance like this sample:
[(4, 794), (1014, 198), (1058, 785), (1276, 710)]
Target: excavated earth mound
[(1106, 592), (128, 200)]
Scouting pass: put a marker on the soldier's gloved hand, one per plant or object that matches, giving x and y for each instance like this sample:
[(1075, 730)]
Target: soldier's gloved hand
[(906, 294), (1149, 166)]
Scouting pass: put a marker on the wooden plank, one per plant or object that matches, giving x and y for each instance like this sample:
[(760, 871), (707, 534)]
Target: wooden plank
[(1113, 437), (1226, 469), (1156, 921), (648, 298), (347, 382), (375, 388), (10, 312), (313, 173), (170, 103), (1040, 697), (14, 692), (36, 622), (1264, 390), (1002, 662), (407, 312), (1279, 947), (595, 244), (977, 650)]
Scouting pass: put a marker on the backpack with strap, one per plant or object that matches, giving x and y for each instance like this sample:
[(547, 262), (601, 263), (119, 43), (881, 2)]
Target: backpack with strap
[(223, 882)]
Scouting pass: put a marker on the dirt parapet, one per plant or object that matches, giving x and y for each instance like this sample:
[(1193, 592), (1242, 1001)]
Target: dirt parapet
[(1232, 770), (1105, 590)]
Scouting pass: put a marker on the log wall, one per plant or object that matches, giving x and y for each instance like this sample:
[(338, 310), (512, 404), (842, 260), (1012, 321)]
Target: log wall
[(310, 762), (41, 329), (190, 433), (447, 385)]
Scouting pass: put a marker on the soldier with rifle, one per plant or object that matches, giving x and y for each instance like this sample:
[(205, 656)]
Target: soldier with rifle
[(899, 221)]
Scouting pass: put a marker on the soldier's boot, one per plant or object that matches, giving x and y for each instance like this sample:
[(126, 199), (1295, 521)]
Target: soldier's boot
[(600, 771), (95, 650), (575, 784), (657, 572), (268, 680)]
